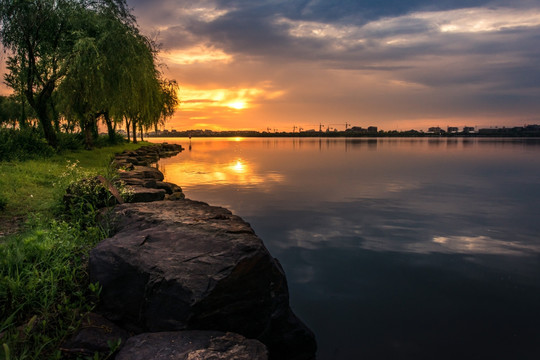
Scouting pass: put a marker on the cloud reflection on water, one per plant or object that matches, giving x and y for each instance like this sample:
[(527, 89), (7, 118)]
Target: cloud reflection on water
[(320, 239), (481, 245)]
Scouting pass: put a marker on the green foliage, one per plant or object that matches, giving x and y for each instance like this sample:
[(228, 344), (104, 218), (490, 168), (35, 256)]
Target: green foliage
[(67, 141), (44, 286), (22, 145), (87, 194), (115, 139), (48, 40), (3, 202), (8, 110)]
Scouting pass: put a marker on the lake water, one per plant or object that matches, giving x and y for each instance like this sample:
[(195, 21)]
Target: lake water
[(393, 248)]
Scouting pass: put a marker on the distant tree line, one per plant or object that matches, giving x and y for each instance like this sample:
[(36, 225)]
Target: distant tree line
[(73, 63)]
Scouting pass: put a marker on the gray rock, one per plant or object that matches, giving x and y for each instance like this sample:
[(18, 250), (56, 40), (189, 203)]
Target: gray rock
[(176, 265), (144, 194), (142, 172), (192, 345)]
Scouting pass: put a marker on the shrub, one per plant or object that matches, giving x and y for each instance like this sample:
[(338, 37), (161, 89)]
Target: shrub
[(70, 141), (104, 140), (23, 144)]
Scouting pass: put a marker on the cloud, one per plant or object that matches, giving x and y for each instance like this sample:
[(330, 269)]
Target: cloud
[(193, 99), (196, 54), (378, 61)]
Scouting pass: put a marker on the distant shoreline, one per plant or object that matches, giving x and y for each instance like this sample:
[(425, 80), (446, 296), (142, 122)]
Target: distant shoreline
[(375, 136), (528, 131)]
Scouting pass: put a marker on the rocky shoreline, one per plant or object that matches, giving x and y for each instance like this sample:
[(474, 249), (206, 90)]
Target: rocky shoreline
[(185, 280)]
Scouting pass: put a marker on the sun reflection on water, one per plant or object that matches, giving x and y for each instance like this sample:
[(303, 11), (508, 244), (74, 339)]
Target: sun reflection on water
[(240, 172), (239, 167)]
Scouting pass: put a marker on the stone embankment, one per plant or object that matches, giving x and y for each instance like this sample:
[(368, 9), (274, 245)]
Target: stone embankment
[(188, 280)]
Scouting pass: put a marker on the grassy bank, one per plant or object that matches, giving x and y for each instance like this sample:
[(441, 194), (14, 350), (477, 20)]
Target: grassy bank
[(44, 287)]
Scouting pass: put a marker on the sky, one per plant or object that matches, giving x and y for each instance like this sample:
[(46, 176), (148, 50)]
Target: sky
[(394, 64)]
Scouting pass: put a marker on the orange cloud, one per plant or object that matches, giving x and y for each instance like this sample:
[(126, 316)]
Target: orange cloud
[(197, 99), (201, 53)]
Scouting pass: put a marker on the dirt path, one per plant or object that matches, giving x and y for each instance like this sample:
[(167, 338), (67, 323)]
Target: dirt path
[(10, 225)]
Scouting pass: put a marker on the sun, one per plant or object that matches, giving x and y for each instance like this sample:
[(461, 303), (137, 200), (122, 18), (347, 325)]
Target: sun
[(238, 105)]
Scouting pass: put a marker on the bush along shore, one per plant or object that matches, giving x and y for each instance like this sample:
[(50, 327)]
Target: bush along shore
[(175, 278)]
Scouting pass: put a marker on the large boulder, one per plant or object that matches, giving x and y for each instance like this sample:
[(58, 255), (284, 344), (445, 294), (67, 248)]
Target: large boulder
[(192, 345), (176, 265)]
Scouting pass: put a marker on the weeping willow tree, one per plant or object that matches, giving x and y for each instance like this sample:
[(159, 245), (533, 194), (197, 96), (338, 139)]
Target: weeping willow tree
[(85, 59), (39, 36), (88, 90), (113, 76)]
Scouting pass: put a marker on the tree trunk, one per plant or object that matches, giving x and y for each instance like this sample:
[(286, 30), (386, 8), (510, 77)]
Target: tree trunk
[(134, 123), (46, 125), (56, 117), (141, 131), (40, 105), (88, 136), (127, 128), (94, 127), (110, 129), (22, 116)]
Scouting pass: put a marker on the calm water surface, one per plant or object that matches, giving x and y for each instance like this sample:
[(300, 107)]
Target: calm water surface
[(393, 248)]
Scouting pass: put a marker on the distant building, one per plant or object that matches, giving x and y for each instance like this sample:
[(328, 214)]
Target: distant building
[(468, 129), (435, 130), (532, 129), (372, 130), (358, 129), (452, 129)]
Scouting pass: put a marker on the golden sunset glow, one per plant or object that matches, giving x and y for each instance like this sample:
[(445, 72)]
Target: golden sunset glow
[(196, 172), (238, 105), (239, 166), (201, 100), (196, 54)]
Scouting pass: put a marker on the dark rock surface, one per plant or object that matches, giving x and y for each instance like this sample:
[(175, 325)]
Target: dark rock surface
[(192, 345), (146, 155), (187, 265), (144, 194), (94, 336), (142, 172), (167, 186)]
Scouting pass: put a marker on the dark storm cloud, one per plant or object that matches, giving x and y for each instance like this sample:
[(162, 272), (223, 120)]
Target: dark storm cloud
[(474, 52)]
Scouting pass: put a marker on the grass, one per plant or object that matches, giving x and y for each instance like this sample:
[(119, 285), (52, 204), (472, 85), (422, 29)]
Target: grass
[(34, 186), (44, 288)]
